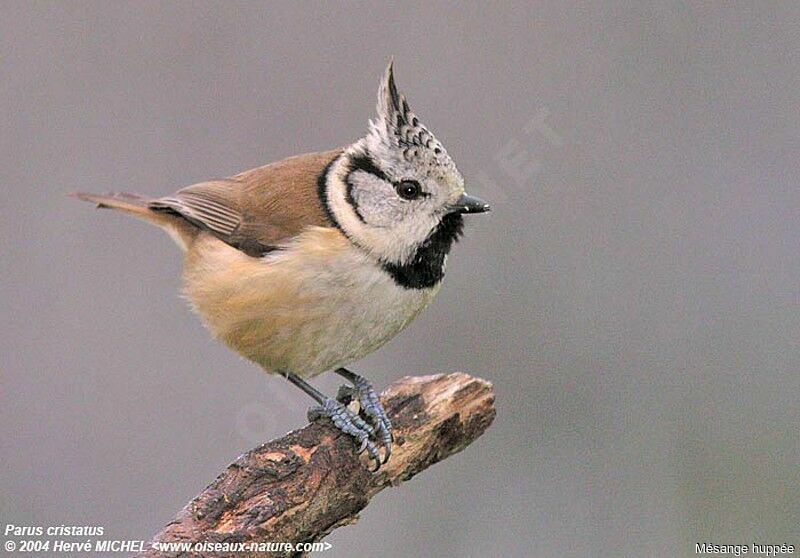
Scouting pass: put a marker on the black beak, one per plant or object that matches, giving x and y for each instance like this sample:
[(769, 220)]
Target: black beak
[(469, 204)]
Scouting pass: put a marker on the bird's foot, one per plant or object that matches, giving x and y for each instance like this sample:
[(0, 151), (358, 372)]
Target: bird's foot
[(372, 408), (350, 423)]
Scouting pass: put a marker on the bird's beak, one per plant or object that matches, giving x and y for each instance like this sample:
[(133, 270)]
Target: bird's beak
[(469, 204)]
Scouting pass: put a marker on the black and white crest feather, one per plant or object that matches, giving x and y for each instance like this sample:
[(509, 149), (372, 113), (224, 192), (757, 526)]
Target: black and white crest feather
[(398, 131)]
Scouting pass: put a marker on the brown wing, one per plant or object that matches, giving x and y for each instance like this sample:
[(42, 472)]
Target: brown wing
[(259, 209)]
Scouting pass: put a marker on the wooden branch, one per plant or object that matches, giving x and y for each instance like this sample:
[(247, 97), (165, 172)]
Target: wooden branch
[(300, 487)]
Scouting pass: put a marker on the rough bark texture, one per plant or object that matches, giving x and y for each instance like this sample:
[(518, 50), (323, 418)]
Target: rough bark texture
[(300, 487)]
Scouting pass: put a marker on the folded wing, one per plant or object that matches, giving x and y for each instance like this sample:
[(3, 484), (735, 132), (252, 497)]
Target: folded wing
[(257, 210)]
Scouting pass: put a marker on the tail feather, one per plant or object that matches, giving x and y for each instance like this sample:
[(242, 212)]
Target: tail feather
[(123, 201), (138, 206)]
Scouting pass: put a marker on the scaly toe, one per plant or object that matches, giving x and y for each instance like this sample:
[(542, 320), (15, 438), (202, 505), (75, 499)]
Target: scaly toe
[(349, 423), (374, 411)]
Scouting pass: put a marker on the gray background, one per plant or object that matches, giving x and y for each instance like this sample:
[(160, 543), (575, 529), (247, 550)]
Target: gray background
[(633, 297)]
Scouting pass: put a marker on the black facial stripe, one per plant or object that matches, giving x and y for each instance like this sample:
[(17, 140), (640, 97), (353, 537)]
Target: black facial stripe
[(364, 163), (426, 267), (322, 193), (348, 195)]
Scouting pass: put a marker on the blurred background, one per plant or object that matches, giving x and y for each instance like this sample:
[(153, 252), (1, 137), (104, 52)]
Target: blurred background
[(634, 297)]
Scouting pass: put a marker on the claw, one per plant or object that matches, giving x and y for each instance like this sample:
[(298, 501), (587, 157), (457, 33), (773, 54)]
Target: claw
[(373, 411), (349, 423), (374, 455), (372, 451), (346, 420)]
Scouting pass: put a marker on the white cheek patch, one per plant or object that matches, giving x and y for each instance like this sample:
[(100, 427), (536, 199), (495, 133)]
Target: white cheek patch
[(395, 240), (374, 199)]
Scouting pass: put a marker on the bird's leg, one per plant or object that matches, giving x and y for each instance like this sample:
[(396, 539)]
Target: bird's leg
[(368, 400), (343, 418)]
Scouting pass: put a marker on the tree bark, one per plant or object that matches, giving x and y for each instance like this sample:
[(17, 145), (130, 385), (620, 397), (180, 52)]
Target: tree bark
[(298, 488)]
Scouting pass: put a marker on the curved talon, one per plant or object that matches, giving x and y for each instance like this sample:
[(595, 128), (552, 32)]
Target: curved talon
[(372, 451), (372, 408), (375, 456), (384, 431)]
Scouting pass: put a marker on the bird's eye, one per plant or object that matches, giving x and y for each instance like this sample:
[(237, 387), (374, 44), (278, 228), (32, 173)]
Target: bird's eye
[(409, 189)]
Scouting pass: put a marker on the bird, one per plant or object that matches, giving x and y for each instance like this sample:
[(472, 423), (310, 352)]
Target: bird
[(308, 264)]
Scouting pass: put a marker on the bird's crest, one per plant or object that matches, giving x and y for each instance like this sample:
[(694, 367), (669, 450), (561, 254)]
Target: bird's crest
[(398, 133)]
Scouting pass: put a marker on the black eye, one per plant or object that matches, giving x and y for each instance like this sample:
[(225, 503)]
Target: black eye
[(408, 189)]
